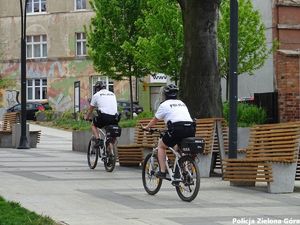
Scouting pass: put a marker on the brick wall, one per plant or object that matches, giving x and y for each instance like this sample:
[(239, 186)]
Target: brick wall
[(288, 85)]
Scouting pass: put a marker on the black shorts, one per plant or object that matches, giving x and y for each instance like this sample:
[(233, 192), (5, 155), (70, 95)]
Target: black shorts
[(177, 131), (103, 120)]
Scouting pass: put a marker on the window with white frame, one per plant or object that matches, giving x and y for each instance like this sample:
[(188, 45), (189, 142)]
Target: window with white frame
[(80, 4), (37, 89), (36, 6), (80, 44), (36, 46), (107, 81)]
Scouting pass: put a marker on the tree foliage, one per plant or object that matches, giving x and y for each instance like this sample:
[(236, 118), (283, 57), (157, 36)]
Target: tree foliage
[(112, 27), (252, 43), (160, 45)]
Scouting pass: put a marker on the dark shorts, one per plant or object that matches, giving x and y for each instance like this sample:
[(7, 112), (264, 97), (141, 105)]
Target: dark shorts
[(177, 131), (103, 120)]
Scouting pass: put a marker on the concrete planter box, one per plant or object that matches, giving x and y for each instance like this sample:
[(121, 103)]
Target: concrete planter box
[(11, 140), (80, 139), (6, 140)]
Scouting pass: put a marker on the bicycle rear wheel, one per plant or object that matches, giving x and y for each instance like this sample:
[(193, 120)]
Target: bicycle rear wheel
[(110, 160), (92, 154), (151, 183), (189, 187)]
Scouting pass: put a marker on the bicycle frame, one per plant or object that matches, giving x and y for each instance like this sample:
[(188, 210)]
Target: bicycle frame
[(105, 139), (176, 164)]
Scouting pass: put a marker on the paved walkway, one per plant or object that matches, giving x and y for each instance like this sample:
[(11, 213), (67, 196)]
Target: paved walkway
[(52, 180)]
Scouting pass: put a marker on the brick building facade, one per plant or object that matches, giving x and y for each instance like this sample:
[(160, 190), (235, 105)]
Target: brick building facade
[(286, 29)]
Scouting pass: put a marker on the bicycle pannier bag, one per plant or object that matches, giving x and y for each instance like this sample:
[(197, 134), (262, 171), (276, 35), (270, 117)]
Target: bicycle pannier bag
[(192, 145), (113, 131)]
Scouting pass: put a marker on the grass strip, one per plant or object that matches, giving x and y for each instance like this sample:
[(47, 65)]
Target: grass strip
[(12, 213)]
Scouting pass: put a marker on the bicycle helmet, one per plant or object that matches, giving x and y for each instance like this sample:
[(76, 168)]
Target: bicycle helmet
[(170, 91), (99, 85)]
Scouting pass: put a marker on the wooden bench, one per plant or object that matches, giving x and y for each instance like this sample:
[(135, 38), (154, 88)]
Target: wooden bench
[(9, 119), (133, 154), (220, 152), (211, 130), (271, 157), (6, 131)]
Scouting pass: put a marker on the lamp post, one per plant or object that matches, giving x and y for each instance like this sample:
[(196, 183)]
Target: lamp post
[(233, 81), (23, 144)]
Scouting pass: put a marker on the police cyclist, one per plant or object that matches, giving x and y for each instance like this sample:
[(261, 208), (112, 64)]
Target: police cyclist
[(107, 113), (178, 120)]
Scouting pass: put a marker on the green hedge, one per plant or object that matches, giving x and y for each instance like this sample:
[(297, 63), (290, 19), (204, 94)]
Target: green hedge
[(247, 115), (66, 120)]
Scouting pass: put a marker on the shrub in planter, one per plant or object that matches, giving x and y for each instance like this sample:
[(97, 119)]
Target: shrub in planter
[(247, 115), (131, 123), (46, 115)]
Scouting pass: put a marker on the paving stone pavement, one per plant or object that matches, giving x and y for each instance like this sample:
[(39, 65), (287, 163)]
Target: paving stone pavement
[(54, 181)]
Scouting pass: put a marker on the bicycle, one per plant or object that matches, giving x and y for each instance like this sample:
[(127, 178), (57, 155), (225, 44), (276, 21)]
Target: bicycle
[(183, 173), (107, 149)]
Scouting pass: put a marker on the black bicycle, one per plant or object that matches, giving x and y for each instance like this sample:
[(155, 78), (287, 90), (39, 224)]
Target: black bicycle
[(183, 172), (107, 149)]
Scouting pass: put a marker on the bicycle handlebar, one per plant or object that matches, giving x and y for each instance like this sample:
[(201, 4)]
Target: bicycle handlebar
[(153, 130)]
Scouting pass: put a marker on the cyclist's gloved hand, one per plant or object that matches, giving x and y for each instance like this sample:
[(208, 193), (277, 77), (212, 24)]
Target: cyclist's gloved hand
[(146, 128)]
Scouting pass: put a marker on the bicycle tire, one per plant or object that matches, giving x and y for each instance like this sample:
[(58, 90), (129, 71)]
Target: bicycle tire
[(146, 174), (110, 160), (189, 185), (92, 155)]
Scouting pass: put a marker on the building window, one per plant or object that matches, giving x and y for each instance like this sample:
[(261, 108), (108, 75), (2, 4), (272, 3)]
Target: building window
[(109, 83), (80, 4), (36, 46), (36, 6), (36, 89), (80, 44)]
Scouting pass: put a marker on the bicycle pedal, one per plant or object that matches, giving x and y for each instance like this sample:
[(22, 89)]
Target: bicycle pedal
[(175, 183)]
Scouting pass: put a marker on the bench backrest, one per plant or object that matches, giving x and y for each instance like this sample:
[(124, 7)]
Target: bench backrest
[(205, 128), (274, 142), (225, 136), (145, 138), (9, 119)]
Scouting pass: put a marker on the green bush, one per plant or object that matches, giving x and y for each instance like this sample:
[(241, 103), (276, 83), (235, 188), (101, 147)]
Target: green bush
[(67, 120), (247, 115), (143, 115), (49, 114), (132, 122), (67, 115), (70, 123)]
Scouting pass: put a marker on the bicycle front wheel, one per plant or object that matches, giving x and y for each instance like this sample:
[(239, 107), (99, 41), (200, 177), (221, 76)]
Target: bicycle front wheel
[(151, 183), (92, 154), (189, 187), (110, 160)]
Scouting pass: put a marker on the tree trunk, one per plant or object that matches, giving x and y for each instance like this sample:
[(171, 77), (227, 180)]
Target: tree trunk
[(200, 82)]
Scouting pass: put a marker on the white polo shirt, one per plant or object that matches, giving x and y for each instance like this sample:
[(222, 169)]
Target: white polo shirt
[(173, 110), (105, 101)]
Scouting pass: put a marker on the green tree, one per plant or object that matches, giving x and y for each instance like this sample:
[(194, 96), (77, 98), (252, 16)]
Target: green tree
[(252, 49), (160, 45), (111, 28)]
